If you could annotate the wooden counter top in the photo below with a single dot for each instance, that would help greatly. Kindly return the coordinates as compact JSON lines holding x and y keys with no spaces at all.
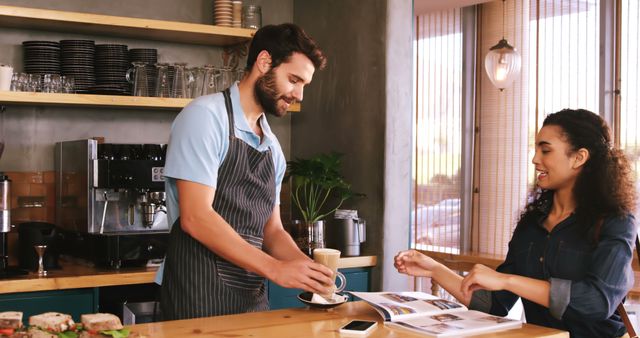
{"x":74,"y":276}
{"x":303,"y":322}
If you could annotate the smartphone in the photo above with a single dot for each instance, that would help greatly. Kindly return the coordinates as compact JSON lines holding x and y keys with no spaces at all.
{"x":359,"y":327}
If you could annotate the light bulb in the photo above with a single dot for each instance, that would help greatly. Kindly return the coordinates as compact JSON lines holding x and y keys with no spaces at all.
{"x":501,"y":72}
{"x":502,"y":64}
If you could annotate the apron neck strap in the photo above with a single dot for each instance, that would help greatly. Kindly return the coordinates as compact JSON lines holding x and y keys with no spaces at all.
{"x":227,"y":103}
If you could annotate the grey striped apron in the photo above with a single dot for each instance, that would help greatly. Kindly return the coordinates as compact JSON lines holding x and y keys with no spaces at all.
{"x":196,"y":281}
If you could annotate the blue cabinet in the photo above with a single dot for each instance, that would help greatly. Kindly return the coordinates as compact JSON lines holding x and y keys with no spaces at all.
{"x":281,"y":298}
{"x":74,"y":302}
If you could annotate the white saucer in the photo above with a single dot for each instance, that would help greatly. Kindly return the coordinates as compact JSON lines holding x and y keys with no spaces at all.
{"x":307,"y":298}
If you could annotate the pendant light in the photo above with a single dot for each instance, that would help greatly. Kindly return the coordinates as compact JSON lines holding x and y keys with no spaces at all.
{"x":502,"y":63}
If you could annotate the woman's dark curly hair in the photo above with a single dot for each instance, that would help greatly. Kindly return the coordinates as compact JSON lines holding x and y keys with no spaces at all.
{"x":606,"y":186}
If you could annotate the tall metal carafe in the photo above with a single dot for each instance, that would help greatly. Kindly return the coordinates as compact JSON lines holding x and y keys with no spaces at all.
{"x":5,"y":219}
{"x":347,"y":232}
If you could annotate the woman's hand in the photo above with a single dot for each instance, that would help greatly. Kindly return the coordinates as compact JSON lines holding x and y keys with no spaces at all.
{"x":414,"y":263}
{"x":482,"y":277}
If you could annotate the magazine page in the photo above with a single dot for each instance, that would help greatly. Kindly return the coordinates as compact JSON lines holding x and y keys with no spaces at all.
{"x":395,"y":306}
{"x":455,"y":324}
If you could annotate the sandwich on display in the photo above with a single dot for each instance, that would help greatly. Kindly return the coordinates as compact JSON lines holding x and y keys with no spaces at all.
{"x":52,"y":325}
{"x":10,"y":322}
{"x":60,"y":325}
{"x":100,"y":325}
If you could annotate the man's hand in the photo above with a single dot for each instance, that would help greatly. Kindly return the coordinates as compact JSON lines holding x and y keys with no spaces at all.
{"x":414,"y":263}
{"x":302,"y":274}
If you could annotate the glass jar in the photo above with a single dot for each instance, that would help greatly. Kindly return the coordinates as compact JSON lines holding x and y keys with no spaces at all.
{"x":251,"y":17}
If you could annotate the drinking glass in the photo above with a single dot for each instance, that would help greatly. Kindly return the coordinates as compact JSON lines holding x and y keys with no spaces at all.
{"x":139,"y":79}
{"x":56,"y":83}
{"x":251,"y":17}
{"x":68,"y":84}
{"x":210,"y":81}
{"x":179,"y":87}
{"x":15,"y":83}
{"x":31,"y":82}
{"x":23,"y":82}
{"x":50,"y":83}
{"x":194,"y":82}
{"x":163,"y":85}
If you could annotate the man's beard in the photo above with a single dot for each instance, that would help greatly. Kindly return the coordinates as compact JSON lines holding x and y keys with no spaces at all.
{"x":266,"y":93}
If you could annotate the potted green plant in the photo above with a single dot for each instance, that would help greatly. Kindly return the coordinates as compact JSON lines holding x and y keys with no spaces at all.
{"x":318,"y":189}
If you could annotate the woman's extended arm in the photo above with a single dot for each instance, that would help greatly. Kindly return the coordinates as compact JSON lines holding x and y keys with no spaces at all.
{"x":414,"y":263}
{"x":483,"y":277}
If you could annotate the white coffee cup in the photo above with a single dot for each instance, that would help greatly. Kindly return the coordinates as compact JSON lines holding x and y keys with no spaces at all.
{"x":5,"y":76}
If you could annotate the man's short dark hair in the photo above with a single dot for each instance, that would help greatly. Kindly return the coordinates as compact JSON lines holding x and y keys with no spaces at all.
{"x":281,"y":41}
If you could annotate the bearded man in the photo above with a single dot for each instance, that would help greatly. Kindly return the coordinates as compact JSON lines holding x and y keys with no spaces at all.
{"x":223,"y":172}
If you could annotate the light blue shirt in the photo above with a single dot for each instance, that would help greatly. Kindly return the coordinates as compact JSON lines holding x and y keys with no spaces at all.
{"x":199,"y":142}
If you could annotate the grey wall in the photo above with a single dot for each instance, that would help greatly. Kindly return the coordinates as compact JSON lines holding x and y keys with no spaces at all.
{"x":361,"y":105}
{"x":346,"y":106}
{"x":31,"y":131}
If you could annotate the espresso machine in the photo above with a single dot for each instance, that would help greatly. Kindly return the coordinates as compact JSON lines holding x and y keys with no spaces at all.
{"x":111,"y":201}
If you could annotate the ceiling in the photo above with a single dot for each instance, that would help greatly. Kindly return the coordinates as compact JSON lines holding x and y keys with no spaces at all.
{"x":426,"y":6}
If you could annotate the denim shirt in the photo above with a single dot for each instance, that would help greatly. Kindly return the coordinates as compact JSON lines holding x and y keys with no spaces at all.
{"x":588,"y":280}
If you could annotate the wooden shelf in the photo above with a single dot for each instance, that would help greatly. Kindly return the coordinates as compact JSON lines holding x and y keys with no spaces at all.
{"x":147,"y":29}
{"x":91,"y":100}
{"x":86,"y":23}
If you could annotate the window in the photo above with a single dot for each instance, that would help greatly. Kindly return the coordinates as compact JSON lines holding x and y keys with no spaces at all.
{"x":630,"y":83}
{"x":559,"y":45}
{"x":438,"y":148}
{"x":559,"y":41}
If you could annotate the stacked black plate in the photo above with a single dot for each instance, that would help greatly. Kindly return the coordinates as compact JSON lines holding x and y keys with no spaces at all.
{"x":41,"y":57}
{"x":150,"y":57}
{"x":111,"y":65}
{"x":78,"y":62}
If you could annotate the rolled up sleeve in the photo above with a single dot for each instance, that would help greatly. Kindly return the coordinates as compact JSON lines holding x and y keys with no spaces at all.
{"x":481,"y":301}
{"x":559,"y":296}
{"x":608,"y":280}
{"x":500,"y":302}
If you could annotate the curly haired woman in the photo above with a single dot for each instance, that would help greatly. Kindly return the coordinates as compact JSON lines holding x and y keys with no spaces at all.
{"x":570,"y":254}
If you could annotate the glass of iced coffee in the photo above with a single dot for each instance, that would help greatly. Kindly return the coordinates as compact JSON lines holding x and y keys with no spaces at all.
{"x":330,"y":258}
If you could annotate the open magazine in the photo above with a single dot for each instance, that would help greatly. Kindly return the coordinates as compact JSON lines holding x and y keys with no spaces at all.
{"x":423,"y":313}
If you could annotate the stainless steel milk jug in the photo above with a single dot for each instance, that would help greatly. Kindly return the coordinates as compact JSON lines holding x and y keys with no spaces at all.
{"x":346,"y":234}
